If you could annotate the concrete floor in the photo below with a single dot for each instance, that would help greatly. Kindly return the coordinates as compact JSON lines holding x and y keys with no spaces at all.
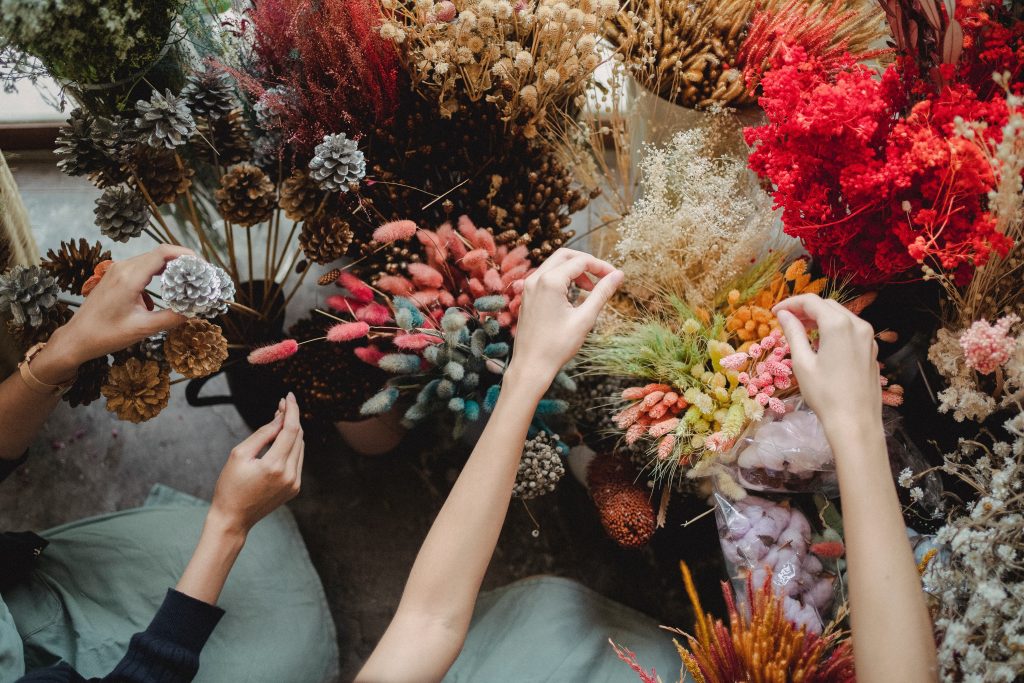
{"x":363,"y":519}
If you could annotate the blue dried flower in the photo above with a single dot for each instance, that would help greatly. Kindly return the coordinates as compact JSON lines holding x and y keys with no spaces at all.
{"x":381,"y":402}
{"x":492,"y":327}
{"x":496,"y":350}
{"x":491,"y":398}
{"x":445,"y":389}
{"x":428,"y":391}
{"x":453,"y":320}
{"x":455,"y":371}
{"x":400,"y":363}
{"x":478,"y":342}
{"x":491,"y":303}
{"x":456,"y":404}
{"x":472,"y":410}
{"x":551,"y":406}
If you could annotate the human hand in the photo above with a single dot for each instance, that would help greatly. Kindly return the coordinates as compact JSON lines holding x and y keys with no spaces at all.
{"x":250,"y":487}
{"x":840,"y":379}
{"x":550,"y":329}
{"x":114,"y":315}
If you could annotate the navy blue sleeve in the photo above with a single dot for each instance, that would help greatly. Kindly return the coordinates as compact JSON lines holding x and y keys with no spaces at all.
{"x":166,"y":652}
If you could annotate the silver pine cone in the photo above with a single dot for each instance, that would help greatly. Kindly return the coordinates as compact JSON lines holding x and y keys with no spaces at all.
{"x":121,"y":213}
{"x":194,"y":288}
{"x":27,"y":293}
{"x":337,"y":163}
{"x":540,"y":468}
{"x":91,"y":146}
{"x":209,"y":93}
{"x":164,"y":120}
{"x":153,"y":347}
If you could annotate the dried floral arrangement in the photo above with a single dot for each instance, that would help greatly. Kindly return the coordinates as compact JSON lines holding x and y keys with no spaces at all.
{"x":758,"y":644}
{"x":695,"y":54}
{"x":137,"y":385}
{"x":904,"y":184}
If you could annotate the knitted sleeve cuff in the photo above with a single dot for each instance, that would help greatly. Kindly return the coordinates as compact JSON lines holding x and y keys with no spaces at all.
{"x":185,"y":621}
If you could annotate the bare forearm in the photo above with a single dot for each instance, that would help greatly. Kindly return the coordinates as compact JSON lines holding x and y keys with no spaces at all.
{"x":214,"y":556}
{"x":892,"y":633}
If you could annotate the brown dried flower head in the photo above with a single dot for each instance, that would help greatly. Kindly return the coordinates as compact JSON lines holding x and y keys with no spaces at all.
{"x":246,"y":195}
{"x":137,"y":390}
{"x":196,"y":349}
{"x":299,"y":196}
{"x":160,"y":173}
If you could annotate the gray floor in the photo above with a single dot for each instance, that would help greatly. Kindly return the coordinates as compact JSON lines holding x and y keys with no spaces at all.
{"x":363,"y":519}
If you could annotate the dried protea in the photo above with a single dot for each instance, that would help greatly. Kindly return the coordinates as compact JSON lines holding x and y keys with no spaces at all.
{"x":73,"y":263}
{"x":160,"y":173}
{"x":164,"y":120}
{"x":196,"y":349}
{"x":324,"y":239}
{"x":137,"y":390}
{"x":246,"y":195}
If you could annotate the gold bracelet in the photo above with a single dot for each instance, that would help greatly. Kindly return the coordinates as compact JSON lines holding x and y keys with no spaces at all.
{"x":33,"y":382}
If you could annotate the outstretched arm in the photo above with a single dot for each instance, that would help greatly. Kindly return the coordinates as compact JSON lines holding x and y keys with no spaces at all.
{"x":430,"y":626}
{"x":111,"y":318}
{"x":892,"y":633}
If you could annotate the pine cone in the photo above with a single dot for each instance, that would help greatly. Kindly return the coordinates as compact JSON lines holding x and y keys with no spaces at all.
{"x":209,"y":93}
{"x":267,"y":152}
{"x":196,"y":349}
{"x":325,"y":238}
{"x":121,"y":213}
{"x":137,"y":390}
{"x":152,"y":347}
{"x":25,"y":336}
{"x":194,"y":288}
{"x":540,"y":468}
{"x":299,"y":196}
{"x":73,"y":263}
{"x":229,"y":136}
{"x":5,"y":252}
{"x":337,"y":163}
{"x":161,"y":172}
{"x":164,"y":120}
{"x":91,"y":147}
{"x":92,"y":375}
{"x":27,"y":293}
{"x":246,"y":195}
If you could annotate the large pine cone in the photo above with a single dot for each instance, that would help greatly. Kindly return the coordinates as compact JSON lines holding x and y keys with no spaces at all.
{"x":92,"y":375}
{"x":121,"y":213}
{"x":92,"y":147}
{"x":161,"y":173}
{"x":196,"y":349}
{"x":246,"y":195}
{"x":299,"y":196}
{"x":229,"y":136}
{"x":73,"y":263}
{"x":137,"y":390}
{"x":325,"y":238}
{"x":210,"y":93}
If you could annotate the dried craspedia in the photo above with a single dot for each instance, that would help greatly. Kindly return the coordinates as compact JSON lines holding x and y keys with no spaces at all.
{"x":137,"y":390}
{"x":337,"y":163}
{"x":90,"y":147}
{"x":324,"y":239}
{"x":73,"y":263}
{"x":193,"y":288}
{"x":300,"y":196}
{"x":159,"y":172}
{"x":27,"y":293}
{"x":226,"y":138}
{"x":209,"y":93}
{"x":246,"y":195}
{"x":164,"y":120}
{"x":121,"y":213}
{"x":540,"y":468}
{"x":625,"y":509}
{"x":196,"y":349}
{"x":92,"y":375}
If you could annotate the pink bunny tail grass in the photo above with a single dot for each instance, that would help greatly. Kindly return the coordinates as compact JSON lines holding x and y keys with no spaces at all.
{"x":831,"y":550}
{"x":395,"y":284}
{"x":667,"y":445}
{"x":416,"y":342}
{"x":370,"y":355}
{"x":374,"y":314}
{"x":394,"y":231}
{"x":344,"y":332}
{"x":343,"y":304}
{"x":514,"y":258}
{"x":492,"y":280}
{"x":356,"y":287}
{"x":274,"y":352}
{"x":425,"y":276}
{"x":476,"y":259}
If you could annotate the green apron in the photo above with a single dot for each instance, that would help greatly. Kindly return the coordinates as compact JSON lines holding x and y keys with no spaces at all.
{"x":102,"y":579}
{"x":551,"y":629}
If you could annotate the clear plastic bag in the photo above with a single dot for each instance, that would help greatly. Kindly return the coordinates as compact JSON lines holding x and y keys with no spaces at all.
{"x":764,"y":539}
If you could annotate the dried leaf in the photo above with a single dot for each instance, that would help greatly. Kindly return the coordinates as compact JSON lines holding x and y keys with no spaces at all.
{"x":952,"y":43}
{"x":931,"y":13}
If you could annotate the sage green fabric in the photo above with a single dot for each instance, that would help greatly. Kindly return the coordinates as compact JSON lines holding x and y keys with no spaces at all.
{"x":102,"y":579}
{"x":552,"y":629}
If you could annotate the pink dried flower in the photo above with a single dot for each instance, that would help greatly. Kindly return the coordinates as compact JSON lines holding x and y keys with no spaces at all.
{"x":445,"y":11}
{"x":987,"y":346}
{"x":356,"y":287}
{"x":273,"y":352}
{"x":370,"y":355}
{"x":476,"y":259}
{"x":425,"y":276}
{"x":374,"y":314}
{"x":343,"y":303}
{"x":344,"y":332}
{"x":831,"y":550}
{"x":395,"y":284}
{"x":394,"y":231}
{"x":417,"y":341}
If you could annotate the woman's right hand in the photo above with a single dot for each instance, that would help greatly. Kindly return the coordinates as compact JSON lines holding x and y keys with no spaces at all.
{"x":840,"y":379}
{"x":250,"y":487}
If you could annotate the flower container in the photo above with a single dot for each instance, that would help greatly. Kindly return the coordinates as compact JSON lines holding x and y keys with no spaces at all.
{"x":373,"y":436}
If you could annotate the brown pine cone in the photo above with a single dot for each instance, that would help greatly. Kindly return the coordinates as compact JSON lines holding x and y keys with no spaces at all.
{"x":229,"y":136}
{"x":299,"y":196}
{"x":196,"y":349}
{"x":325,"y":238}
{"x":92,"y":375}
{"x":246,"y":195}
{"x":25,"y":336}
{"x":73,"y":263}
{"x":137,"y":390}
{"x":161,"y":172}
